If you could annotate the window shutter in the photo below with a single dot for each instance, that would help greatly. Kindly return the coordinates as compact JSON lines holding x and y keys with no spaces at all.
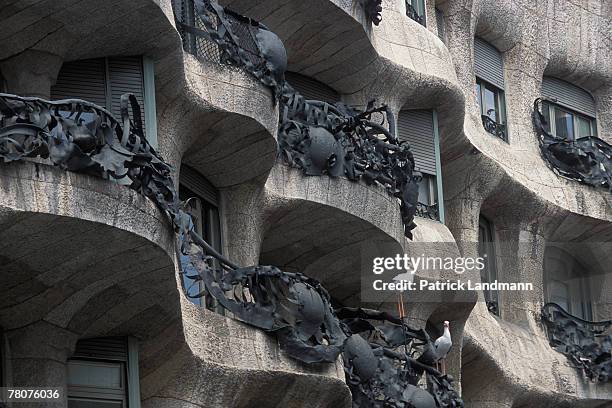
{"x":416,"y":127}
{"x":311,"y":88}
{"x":85,"y":79}
{"x":568,"y":95}
{"x":93,"y":79}
{"x":488,"y":63}
{"x":195,"y":182}
{"x":103,"y":348}
{"x":125,"y":76}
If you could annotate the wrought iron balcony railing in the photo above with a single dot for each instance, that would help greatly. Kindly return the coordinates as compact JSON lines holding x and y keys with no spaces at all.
{"x":494,"y":128}
{"x":413,"y":14}
{"x":81,"y":137}
{"x":587,"y":344}
{"x":428,"y":211}
{"x":373,"y":10}
{"x":586,"y":159}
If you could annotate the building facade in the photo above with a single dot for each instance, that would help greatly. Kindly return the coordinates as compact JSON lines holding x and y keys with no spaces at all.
{"x":506,"y":107}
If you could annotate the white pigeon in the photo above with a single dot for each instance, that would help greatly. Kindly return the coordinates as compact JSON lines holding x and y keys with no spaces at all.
{"x":442,"y":346}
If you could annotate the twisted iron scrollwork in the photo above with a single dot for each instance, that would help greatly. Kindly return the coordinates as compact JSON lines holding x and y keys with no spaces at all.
{"x":587,"y":159}
{"x":428,"y":211}
{"x":494,"y":128}
{"x":385,"y":360}
{"x":318,"y":137}
{"x":214,"y":33}
{"x":587,"y":344}
{"x":338,"y":140}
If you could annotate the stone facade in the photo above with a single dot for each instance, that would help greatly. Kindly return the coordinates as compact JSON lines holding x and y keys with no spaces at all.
{"x":84,"y":257}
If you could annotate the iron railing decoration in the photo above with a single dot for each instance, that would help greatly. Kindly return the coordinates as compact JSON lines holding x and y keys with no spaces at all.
{"x":413,"y":14}
{"x":428,"y":211}
{"x":316,"y":136}
{"x":338,"y":140}
{"x":494,"y":128}
{"x":587,"y":159}
{"x":211,"y":32}
{"x":587,"y":344}
{"x":81,"y":137}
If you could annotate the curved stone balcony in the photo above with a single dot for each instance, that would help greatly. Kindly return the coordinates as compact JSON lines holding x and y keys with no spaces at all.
{"x":398,"y":62}
{"x":215,"y":361}
{"x":81,"y":257}
{"x":320,"y":225}
{"x":518,"y":358}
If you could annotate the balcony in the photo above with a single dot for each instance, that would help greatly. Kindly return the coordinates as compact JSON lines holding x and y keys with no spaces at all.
{"x":587,"y":160}
{"x":586,"y":344}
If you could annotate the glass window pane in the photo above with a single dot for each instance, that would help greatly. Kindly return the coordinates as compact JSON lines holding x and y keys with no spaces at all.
{"x":558,"y":293}
{"x":546,"y":114}
{"x":479,"y":96}
{"x":489,"y":103}
{"x":94,"y":374}
{"x":584,"y":127}
{"x":564,"y":124}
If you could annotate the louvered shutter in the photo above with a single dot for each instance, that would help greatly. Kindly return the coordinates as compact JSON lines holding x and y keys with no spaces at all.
{"x":195,"y":182}
{"x":416,"y":127}
{"x":311,"y":88}
{"x":103,"y":348}
{"x":488,"y":63}
{"x":102,"y":81}
{"x":125,"y":76}
{"x":569,"y":95}
{"x":85,"y":79}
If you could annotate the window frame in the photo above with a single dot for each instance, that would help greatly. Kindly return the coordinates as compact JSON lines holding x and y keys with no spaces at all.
{"x":93,"y":393}
{"x":549,"y":112}
{"x":209,"y":214}
{"x":488,"y":239}
{"x":419,"y":4}
{"x":501,"y":117}
{"x":575,"y":279}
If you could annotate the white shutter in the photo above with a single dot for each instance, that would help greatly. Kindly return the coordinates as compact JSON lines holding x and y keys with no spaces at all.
{"x":568,"y":95}
{"x":416,"y":127}
{"x":488,"y":63}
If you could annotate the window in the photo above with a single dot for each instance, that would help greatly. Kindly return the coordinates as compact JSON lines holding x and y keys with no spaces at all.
{"x":419,"y":129}
{"x":203,"y":203}
{"x":311,"y":88}
{"x":103,"y":80}
{"x":489,"y":70}
{"x":440,"y":24}
{"x":103,"y":373}
{"x":415,"y":9}
{"x":566,"y":283}
{"x":567,"y":124}
{"x":492,"y":108}
{"x":486,"y":250}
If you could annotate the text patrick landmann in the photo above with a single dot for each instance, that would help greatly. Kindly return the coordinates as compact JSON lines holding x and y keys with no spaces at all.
{"x":408,"y":266}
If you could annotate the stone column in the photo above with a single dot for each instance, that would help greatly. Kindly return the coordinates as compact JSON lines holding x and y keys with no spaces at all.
{"x":38,"y":355}
{"x":31,"y":73}
{"x":242,"y":212}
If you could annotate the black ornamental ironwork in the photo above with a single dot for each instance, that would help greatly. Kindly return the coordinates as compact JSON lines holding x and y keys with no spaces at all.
{"x":587,"y":344}
{"x":586,"y":159}
{"x":318,"y":137}
{"x":373,"y":10}
{"x":82,"y":137}
{"x":494,"y":128}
